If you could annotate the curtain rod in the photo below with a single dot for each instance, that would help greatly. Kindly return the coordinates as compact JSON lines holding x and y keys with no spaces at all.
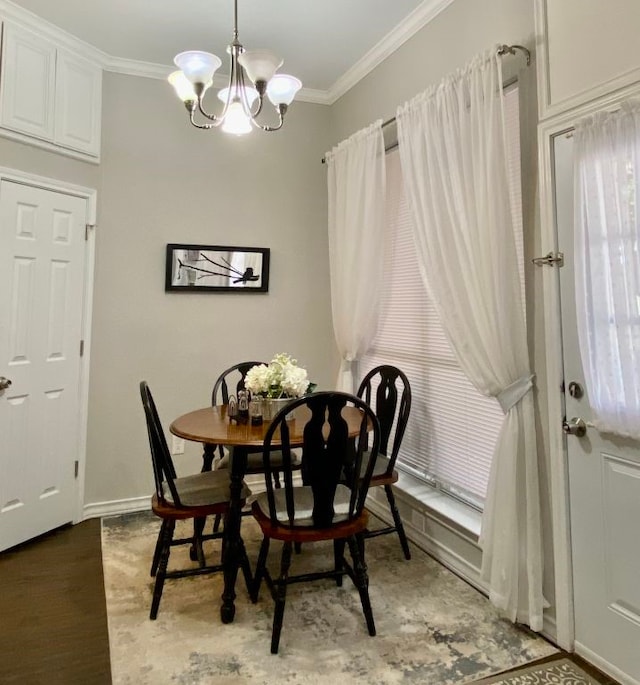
{"x":502,"y":50}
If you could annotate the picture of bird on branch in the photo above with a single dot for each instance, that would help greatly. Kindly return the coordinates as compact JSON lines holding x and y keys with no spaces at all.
{"x":233,"y":273}
{"x":196,"y":267}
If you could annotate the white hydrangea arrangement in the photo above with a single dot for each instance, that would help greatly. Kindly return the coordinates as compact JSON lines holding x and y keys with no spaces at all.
{"x":282,"y":377}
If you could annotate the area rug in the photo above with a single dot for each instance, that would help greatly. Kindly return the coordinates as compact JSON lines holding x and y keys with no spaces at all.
{"x":556,"y":672}
{"x":432,"y":628}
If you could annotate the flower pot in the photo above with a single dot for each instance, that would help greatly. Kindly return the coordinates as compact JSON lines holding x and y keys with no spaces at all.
{"x":272,"y":405}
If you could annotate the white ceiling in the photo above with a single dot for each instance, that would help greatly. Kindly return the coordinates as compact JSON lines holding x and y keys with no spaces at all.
{"x":320,"y":40}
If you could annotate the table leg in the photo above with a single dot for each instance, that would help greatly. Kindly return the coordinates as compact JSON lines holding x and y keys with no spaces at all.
{"x":208,"y":454}
{"x":233,"y":551}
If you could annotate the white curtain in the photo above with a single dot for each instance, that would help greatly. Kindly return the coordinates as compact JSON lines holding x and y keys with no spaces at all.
{"x":607,"y":265}
{"x":356,"y":183}
{"x":452,"y":148}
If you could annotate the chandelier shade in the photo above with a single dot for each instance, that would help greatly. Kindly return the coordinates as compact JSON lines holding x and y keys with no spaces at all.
{"x":182,"y":86}
{"x":251,"y":95}
{"x":252,"y":75}
{"x":235,"y":120}
{"x":197,"y":66}
{"x":259,"y":65}
{"x":282,"y":88}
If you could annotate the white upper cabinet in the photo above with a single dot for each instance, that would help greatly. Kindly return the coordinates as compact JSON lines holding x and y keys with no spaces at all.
{"x":78,"y":103}
{"x":28,"y":83}
{"x":49,"y":94}
{"x":586,"y":51}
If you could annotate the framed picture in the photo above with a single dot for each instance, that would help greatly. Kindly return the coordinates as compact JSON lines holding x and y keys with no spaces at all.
{"x":201,"y":268}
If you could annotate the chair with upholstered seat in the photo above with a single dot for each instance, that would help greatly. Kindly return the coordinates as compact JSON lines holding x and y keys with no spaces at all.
{"x":194,"y":497}
{"x":336,"y":470}
{"x":387,"y":391}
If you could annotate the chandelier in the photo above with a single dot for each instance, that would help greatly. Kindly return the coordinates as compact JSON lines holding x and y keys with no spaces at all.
{"x":242,"y":100}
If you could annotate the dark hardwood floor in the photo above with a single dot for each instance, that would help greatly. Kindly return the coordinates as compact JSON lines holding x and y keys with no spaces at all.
{"x":53,"y":618}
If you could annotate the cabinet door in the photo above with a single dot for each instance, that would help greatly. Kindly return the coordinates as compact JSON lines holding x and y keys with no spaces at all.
{"x":28,"y":83}
{"x":78,"y":103}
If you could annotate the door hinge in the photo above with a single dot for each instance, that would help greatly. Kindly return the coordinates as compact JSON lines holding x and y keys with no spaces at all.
{"x":87,"y":228}
{"x":550,"y":259}
{"x":76,"y":468}
{"x":82,"y":348}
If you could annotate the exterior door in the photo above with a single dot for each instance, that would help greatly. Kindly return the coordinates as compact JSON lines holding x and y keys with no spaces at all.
{"x":42,"y":262}
{"x":604,"y":490}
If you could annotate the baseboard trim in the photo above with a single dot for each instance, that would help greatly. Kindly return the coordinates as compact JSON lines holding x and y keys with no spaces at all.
{"x":604,"y":666}
{"x":115,"y":507}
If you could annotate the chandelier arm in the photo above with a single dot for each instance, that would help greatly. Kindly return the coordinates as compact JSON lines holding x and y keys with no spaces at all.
{"x":200,"y":90}
{"x":264,"y":127}
{"x":211,"y":117}
{"x":253,"y":115}
{"x":206,"y":127}
{"x":241,"y":89}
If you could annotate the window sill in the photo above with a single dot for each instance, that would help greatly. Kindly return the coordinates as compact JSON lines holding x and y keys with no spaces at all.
{"x":431,"y":501}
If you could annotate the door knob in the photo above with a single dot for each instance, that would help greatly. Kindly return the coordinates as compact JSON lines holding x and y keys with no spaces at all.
{"x":4,"y":383}
{"x":574,"y":426}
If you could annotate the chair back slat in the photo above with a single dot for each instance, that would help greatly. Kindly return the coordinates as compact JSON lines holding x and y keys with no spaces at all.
{"x":230,"y":379}
{"x":392,"y":405}
{"x":163,"y":469}
{"x":385,"y":408}
{"x":330,"y":457}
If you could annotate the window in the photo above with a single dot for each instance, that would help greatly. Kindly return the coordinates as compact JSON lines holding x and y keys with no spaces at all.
{"x":607,"y":265}
{"x":452,"y":428}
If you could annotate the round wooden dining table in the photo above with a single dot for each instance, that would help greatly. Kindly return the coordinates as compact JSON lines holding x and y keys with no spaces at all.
{"x":212,"y":427}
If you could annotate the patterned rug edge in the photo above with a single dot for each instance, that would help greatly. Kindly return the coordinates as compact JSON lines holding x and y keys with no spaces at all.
{"x":554,"y":672}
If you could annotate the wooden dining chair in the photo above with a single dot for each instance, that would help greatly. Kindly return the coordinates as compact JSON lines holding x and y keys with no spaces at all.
{"x":387,"y":391}
{"x":233,"y":378}
{"x":336,"y":470}
{"x":190,"y":497}
{"x":228,"y":383}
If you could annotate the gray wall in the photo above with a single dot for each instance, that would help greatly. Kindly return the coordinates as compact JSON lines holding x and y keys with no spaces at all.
{"x":448,"y":42}
{"x":164,"y":181}
{"x":33,"y":160}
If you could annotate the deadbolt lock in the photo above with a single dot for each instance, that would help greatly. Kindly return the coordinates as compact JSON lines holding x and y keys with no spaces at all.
{"x":575,"y":390}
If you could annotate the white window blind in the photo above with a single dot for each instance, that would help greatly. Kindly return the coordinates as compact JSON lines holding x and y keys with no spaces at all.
{"x":452,"y":428}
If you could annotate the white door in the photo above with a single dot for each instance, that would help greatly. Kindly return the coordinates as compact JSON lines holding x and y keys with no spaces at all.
{"x":604,"y":488}
{"x":42,"y":256}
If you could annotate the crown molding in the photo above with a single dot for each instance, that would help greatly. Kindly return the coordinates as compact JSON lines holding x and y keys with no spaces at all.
{"x":132,"y":67}
{"x":419,"y":18}
{"x":63,"y":39}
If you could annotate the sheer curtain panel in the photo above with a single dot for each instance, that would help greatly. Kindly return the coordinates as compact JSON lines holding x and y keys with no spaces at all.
{"x":452,"y":149}
{"x":356,"y":185}
{"x":607,"y":265}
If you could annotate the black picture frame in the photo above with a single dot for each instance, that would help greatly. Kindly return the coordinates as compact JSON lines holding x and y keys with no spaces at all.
{"x":216,"y":268}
